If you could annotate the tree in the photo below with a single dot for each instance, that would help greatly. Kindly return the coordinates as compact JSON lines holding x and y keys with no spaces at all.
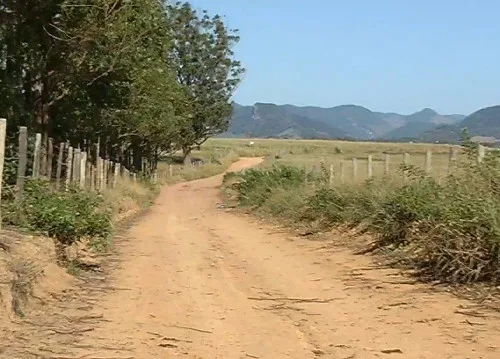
{"x":116,"y":52}
{"x":142,"y":77}
{"x":203,"y":58}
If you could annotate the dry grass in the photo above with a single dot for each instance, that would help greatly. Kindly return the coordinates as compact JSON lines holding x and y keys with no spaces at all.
{"x":127,"y":197}
{"x":24,"y":272}
{"x":311,"y":154}
{"x":445,"y":227}
{"x":24,"y":259}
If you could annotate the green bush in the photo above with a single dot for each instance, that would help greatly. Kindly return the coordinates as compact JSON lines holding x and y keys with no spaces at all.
{"x":325,"y":205}
{"x":285,"y":204}
{"x":66,"y":216}
{"x":256,"y":185}
{"x":449,"y":230}
{"x":416,"y":201}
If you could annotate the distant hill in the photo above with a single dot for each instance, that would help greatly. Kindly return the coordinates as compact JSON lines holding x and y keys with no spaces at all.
{"x":485,"y":122}
{"x":356,"y":121}
{"x":346,"y":121}
{"x":269,"y":120}
{"x":418,"y":123}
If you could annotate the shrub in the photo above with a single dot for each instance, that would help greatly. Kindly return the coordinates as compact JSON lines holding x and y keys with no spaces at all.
{"x":66,"y":216}
{"x":449,"y":230}
{"x":256,"y":185}
{"x":285,"y":204}
{"x":325,"y":205}
{"x":416,"y":201}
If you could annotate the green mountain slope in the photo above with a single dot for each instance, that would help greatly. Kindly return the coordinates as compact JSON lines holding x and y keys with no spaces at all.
{"x":346,"y":121}
{"x":420,"y":122}
{"x":269,"y":120}
{"x":357,"y":121}
{"x":485,"y":122}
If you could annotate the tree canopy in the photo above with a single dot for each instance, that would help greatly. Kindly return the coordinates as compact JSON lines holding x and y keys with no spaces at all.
{"x":143,"y":77}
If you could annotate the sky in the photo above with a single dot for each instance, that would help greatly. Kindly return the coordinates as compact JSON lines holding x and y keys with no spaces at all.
{"x":387,"y":55}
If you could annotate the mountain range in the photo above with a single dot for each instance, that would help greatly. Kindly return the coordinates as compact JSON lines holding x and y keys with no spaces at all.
{"x":483,"y":125}
{"x":341,"y":122}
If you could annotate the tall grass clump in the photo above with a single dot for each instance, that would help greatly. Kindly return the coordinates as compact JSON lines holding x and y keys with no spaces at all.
{"x":257,"y":185}
{"x":448,"y":229}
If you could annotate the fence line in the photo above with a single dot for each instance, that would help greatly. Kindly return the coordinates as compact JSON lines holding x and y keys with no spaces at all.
{"x":3,"y":133}
{"x":428,"y":165}
{"x":74,"y":166}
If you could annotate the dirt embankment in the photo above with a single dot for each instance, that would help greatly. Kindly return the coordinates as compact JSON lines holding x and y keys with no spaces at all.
{"x":193,"y":280}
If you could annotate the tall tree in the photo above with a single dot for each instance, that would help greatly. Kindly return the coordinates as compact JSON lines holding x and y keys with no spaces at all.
{"x":144,"y":77}
{"x":203,"y":58}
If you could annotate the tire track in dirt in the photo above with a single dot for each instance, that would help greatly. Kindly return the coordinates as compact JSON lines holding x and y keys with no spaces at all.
{"x":192,"y":280}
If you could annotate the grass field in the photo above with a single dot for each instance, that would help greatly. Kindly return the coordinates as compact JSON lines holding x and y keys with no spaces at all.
{"x":310,"y":154}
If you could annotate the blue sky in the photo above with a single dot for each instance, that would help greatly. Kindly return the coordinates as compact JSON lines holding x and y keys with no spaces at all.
{"x":387,"y":55}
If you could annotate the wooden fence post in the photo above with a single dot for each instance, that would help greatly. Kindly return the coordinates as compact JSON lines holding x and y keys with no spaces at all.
{"x":170,"y":170}
{"x":50,"y":155}
{"x":95,"y":179}
{"x":3,"y":130}
{"x":91,"y":175}
{"x":452,"y":160}
{"x":105,"y":166}
{"x":88,"y":172}
{"x":21,"y":167}
{"x":83,"y":168}
{"x":428,"y":161}
{"x":43,"y":158}
{"x":69,"y":167}
{"x":342,"y":171}
{"x":481,"y":152}
{"x":387,"y":164}
{"x":406,"y":162}
{"x":330,"y":179}
{"x":370,"y":166}
{"x":101,"y":172}
{"x":354,"y":170}
{"x":116,"y":174}
{"x":76,"y":165}
{"x":37,"y":154}
{"x":98,"y":166}
{"x":406,"y":159}
{"x":60,"y":158}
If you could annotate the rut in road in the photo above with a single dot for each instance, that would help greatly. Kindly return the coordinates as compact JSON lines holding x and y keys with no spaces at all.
{"x":192,"y":280}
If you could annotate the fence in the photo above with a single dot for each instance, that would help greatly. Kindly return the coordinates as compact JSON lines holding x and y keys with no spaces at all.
{"x":67,"y":166}
{"x":361,"y":168}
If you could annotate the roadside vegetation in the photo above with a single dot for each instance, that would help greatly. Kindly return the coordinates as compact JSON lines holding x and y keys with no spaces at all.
{"x":445,"y":228}
{"x":133,"y":82}
{"x":144,"y":82}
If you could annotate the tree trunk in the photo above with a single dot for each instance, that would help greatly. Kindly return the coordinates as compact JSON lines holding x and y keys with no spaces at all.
{"x":137,"y":157}
{"x":186,"y":155}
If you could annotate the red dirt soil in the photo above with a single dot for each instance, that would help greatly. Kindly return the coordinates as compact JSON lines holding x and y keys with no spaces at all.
{"x":193,"y":280}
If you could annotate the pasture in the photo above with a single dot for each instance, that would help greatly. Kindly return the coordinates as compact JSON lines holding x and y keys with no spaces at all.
{"x":314,"y":154}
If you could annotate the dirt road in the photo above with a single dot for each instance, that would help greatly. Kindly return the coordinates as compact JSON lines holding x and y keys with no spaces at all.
{"x":194,"y":280}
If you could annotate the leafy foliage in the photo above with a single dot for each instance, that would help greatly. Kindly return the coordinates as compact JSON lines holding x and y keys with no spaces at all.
{"x":202,"y":58}
{"x":257,"y":185}
{"x":65,"y":216}
{"x":143,"y":79}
